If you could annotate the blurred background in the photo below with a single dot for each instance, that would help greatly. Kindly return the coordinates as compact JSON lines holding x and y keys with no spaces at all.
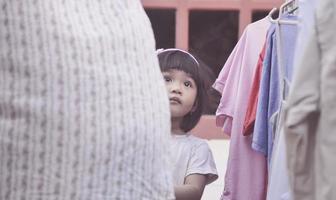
{"x":209,"y":29}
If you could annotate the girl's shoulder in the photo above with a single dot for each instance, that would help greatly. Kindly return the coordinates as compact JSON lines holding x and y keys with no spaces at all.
{"x":197,"y":142}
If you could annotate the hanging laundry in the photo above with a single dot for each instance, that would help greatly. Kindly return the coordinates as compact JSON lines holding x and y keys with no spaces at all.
{"x":246,"y":169}
{"x":310,"y":120}
{"x":269,"y":94}
{"x":253,"y":99}
{"x":285,"y":35}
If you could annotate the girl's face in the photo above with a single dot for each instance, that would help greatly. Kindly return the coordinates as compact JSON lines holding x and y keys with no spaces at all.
{"x":182,"y":91}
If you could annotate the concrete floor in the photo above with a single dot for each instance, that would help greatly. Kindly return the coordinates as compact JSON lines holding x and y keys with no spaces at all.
{"x":220,"y":150}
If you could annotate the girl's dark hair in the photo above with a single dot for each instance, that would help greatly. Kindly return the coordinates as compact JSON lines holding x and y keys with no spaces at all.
{"x":180,"y":60}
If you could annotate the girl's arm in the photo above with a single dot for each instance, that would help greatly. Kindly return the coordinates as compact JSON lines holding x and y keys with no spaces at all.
{"x":192,"y":189}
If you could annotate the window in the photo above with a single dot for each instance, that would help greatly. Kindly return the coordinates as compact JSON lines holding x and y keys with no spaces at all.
{"x":259,"y":14}
{"x":212,"y":37}
{"x":163,"y":24}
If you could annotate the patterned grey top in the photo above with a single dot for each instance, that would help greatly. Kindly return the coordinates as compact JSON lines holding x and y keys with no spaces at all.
{"x":83,"y":108}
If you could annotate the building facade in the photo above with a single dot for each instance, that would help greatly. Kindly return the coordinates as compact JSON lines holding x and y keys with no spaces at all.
{"x":209,"y":29}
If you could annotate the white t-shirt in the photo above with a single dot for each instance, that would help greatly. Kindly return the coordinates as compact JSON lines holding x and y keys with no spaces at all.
{"x":191,"y":155}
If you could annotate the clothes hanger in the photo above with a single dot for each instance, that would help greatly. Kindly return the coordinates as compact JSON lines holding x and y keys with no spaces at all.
{"x":271,"y":13}
{"x":288,"y":7}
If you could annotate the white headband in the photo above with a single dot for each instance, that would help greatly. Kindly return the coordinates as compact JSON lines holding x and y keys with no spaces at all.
{"x":158,"y":51}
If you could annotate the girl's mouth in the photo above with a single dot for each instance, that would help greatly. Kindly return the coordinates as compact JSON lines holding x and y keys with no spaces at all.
{"x":175,"y":100}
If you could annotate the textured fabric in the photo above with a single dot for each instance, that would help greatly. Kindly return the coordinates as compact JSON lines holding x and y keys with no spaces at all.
{"x":192,"y":155}
{"x":253,"y":98}
{"x":83,"y":108}
{"x":246,"y":169}
{"x":270,"y":86}
{"x":310,"y":120}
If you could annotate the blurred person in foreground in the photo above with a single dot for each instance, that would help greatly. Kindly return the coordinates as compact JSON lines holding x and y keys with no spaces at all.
{"x":83,"y":109}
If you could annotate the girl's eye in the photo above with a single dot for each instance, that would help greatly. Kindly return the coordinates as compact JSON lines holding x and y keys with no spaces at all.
{"x":188,"y":84}
{"x":167,"y":79}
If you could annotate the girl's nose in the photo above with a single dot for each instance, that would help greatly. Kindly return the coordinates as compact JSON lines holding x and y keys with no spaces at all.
{"x":177,"y":91}
{"x":176,"y":88}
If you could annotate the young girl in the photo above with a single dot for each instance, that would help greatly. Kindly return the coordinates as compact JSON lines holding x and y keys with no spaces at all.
{"x":194,"y":166}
